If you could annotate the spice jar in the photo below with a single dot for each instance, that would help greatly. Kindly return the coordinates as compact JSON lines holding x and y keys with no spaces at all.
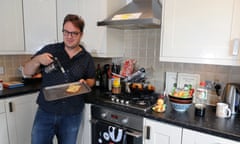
{"x":116,"y":86}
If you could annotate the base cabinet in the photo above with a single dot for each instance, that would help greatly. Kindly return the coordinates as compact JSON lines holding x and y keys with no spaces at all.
{"x":3,"y":124}
{"x":157,"y":132}
{"x":84,"y":136}
{"x":194,"y":137}
{"x":20,"y":112}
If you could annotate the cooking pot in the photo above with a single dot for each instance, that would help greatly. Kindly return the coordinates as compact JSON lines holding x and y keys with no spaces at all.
{"x":231,"y":95}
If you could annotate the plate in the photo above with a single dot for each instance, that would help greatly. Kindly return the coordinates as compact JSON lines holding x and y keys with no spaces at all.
{"x":59,"y":91}
{"x":154,"y":108}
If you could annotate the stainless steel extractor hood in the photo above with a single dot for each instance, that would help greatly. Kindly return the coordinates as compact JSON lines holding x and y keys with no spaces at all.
{"x":137,"y":14}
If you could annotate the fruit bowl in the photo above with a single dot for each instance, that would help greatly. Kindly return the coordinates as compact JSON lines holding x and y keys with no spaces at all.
{"x":180,"y":104}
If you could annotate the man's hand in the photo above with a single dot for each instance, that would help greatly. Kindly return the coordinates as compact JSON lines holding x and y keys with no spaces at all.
{"x":44,"y":59}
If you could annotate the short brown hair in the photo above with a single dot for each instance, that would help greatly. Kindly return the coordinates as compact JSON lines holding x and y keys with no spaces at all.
{"x":76,"y":21}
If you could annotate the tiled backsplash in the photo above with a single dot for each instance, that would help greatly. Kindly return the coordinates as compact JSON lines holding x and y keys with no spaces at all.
{"x":10,"y":63}
{"x":142,"y":45}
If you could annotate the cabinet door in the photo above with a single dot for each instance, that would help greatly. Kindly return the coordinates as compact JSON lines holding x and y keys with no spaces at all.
{"x":11,"y":27}
{"x":101,"y":41}
{"x":161,"y":133}
{"x":40,"y":23}
{"x":84,"y":136}
{"x":194,"y":137}
{"x":3,"y":125}
{"x":20,"y":112}
{"x":200,"y":31}
{"x":65,"y":7}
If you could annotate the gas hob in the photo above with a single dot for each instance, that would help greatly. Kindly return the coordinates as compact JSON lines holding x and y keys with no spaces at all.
{"x":142,"y":102}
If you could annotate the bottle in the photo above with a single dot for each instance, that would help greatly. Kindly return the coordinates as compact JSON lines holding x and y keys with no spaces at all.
{"x":106,"y":67}
{"x":201,"y":99}
{"x":98,"y":77}
{"x":109,"y":72}
{"x":1,"y":84}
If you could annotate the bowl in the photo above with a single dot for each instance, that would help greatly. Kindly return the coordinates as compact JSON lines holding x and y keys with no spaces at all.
{"x":181,"y":100}
{"x":180,"y":104}
{"x":180,"y":107}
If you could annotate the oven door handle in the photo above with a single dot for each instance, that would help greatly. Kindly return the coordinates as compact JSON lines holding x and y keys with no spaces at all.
{"x":134,"y":134}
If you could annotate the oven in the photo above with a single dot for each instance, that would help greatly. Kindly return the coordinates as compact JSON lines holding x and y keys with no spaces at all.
{"x":110,"y":126}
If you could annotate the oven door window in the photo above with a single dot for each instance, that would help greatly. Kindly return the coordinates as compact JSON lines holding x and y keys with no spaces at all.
{"x":108,"y":133}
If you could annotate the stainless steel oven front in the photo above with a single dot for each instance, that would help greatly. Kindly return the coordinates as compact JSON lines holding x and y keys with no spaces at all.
{"x":110,"y":126}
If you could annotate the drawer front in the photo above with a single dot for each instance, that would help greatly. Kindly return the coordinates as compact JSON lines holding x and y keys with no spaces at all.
{"x":2,"y":109}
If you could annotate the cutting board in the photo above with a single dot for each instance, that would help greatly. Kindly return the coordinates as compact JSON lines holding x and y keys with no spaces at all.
{"x":12,"y":84}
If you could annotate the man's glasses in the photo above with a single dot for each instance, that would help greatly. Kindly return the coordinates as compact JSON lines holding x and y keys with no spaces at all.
{"x":72,"y":34}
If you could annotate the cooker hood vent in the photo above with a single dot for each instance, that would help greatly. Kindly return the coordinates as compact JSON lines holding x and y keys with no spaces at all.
{"x":138,"y":14}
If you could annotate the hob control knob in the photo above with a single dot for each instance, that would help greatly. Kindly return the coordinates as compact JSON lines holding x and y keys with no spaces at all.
{"x":122,"y":101}
{"x":124,"y":121}
{"x":103,"y":115}
{"x":117,"y":100}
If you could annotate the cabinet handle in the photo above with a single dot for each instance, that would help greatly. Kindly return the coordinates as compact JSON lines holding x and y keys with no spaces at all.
{"x":148,"y":132}
{"x":10,"y":107}
{"x":236,"y":43}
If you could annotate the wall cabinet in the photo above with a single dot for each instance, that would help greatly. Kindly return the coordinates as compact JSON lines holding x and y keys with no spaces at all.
{"x":40,"y":23}
{"x":11,"y":27}
{"x":37,"y":23}
{"x":20,"y":112}
{"x":194,"y":137}
{"x":161,"y":132}
{"x":101,"y":41}
{"x":3,"y":124}
{"x":196,"y":31}
{"x":65,"y":7}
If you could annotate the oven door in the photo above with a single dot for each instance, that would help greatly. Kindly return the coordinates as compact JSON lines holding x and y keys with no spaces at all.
{"x":104,"y":132}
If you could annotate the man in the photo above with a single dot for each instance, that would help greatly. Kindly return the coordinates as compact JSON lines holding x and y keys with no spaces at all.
{"x":61,"y":117}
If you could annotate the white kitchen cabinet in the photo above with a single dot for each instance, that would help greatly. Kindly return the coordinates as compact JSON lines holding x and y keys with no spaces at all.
{"x":65,"y":7}
{"x":200,"y":31}
{"x":101,"y":41}
{"x":40,"y":23}
{"x":161,"y":133}
{"x":85,"y":136}
{"x":3,"y":124}
{"x":11,"y":27}
{"x":20,"y":112}
{"x":194,"y":137}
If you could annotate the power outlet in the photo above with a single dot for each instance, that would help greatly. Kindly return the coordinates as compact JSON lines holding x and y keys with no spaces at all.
{"x":1,"y":70}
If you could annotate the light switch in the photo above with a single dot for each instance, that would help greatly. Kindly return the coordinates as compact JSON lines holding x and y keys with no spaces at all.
{"x":1,"y":70}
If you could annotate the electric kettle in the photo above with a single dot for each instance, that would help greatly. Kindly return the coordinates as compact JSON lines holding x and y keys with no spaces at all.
{"x":231,"y":95}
